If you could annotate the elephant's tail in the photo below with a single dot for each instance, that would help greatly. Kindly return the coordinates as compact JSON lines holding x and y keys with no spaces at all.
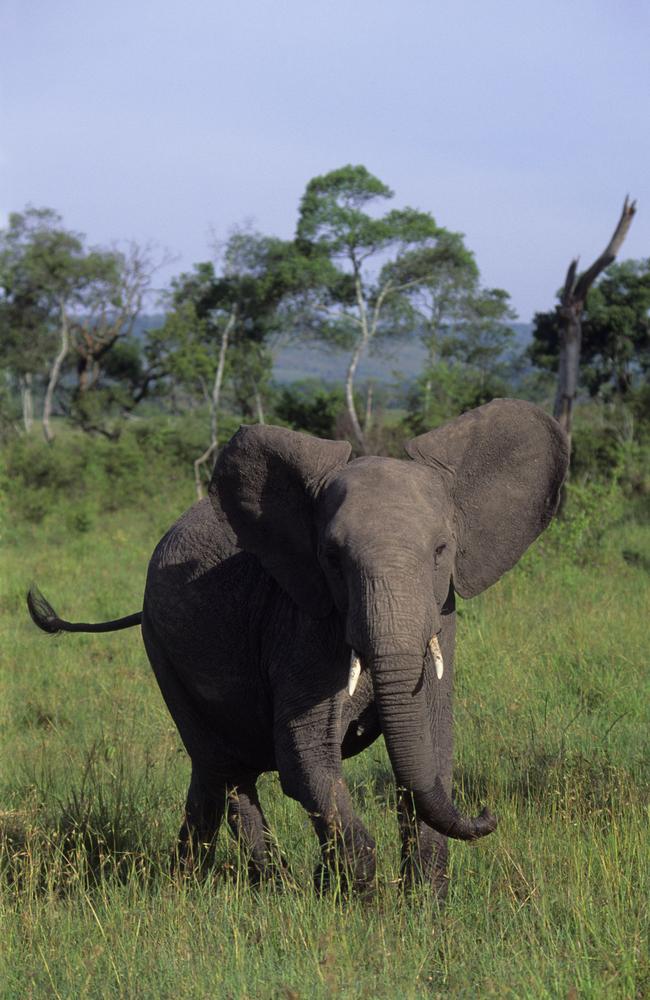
{"x":44,"y":615}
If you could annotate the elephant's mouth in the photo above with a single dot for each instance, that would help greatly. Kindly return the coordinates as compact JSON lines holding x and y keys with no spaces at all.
{"x":356,"y":664}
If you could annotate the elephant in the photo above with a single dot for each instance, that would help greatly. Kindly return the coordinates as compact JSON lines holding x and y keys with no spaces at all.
{"x":307,"y":605}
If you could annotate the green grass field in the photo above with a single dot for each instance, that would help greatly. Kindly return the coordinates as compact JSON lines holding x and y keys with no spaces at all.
{"x":552,"y":723}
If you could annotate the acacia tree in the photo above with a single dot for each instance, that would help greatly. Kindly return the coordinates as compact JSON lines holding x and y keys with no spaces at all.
{"x":459,"y":323}
{"x":226,"y":321}
{"x":569,"y":317}
{"x":112,"y":305}
{"x":53,"y":287}
{"x":337,"y":232}
{"x":192,"y":345}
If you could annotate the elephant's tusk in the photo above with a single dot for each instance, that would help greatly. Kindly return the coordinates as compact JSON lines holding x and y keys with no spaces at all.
{"x":436,"y":653}
{"x":355,"y":673}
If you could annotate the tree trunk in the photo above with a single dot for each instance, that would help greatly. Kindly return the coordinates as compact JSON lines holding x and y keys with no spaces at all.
{"x":349,"y":396}
{"x":27,"y":401}
{"x":54,"y":375}
{"x":570,"y":310}
{"x":367,"y":422}
{"x":569,"y":366}
{"x":215,"y":401}
{"x":259,"y":407}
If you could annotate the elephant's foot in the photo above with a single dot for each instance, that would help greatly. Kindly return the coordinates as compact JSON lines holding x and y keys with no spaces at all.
{"x":266,"y":865}
{"x":424,"y":862}
{"x":204,"y":809}
{"x":272,"y":873}
{"x":424,"y":851}
{"x":349,"y":862}
{"x":193,"y":855}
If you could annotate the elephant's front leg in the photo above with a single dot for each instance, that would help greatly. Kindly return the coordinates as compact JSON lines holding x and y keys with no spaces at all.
{"x":424,"y":851}
{"x":308,"y":755}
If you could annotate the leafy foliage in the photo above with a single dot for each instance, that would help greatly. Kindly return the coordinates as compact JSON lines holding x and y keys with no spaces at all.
{"x":366,"y":296}
{"x":310,"y":407}
{"x":471,"y":358}
{"x":43,"y":269}
{"x":615,"y":332}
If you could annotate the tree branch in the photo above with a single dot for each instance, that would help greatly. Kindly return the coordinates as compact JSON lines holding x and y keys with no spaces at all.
{"x":586,"y":280}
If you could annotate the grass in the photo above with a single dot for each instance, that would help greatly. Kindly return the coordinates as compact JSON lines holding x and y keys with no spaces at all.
{"x":552,"y":720}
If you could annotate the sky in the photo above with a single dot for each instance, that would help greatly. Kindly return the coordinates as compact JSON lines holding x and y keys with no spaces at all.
{"x":522,"y":125}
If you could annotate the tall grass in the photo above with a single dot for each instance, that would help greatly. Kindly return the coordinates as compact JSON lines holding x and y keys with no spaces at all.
{"x":552,"y":723}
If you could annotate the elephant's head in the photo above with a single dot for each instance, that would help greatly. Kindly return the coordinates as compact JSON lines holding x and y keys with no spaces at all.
{"x":382,"y":541}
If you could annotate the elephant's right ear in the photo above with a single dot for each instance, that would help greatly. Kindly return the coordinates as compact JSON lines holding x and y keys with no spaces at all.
{"x":266,"y":480}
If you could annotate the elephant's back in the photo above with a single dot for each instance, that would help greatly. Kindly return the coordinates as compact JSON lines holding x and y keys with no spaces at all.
{"x":197,"y":578}
{"x":199,"y":539}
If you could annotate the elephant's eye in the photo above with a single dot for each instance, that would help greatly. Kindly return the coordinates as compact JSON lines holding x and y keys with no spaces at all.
{"x":439,"y":549}
{"x":330,"y":557}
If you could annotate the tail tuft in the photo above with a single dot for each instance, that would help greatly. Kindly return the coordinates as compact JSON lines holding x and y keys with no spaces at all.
{"x":42,"y":612}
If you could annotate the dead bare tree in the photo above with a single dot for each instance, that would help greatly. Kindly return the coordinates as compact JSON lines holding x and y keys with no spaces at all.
{"x":570,"y":310}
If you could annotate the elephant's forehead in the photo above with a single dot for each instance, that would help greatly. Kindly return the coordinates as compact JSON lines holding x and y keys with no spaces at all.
{"x":374,"y":485}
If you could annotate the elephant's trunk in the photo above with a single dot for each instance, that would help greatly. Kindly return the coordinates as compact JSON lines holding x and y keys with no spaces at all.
{"x":399,"y":693}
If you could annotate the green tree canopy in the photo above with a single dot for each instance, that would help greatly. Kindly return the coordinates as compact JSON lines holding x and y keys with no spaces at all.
{"x":370,"y":264}
{"x":227,"y":319}
{"x":615,"y":332}
{"x":48,"y":276}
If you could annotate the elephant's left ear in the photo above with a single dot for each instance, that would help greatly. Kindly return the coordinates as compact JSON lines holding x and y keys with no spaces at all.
{"x":266,"y":481}
{"x":505,"y":463}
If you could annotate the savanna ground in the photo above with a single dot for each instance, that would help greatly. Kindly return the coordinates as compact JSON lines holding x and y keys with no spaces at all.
{"x":552,"y":722}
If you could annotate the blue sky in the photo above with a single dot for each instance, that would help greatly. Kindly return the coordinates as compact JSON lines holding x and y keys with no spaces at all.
{"x":520,"y":124}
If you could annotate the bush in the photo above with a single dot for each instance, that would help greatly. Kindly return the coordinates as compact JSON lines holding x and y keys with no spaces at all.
{"x":577,"y":534}
{"x":310,"y":407}
{"x":79,"y":476}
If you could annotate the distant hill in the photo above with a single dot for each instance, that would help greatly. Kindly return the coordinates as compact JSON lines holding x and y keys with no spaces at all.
{"x":404,"y":362}
{"x":303,"y":361}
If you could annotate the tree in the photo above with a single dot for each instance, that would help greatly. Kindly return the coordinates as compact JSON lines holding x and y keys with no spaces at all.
{"x":348,"y":245}
{"x":55,"y":289}
{"x":310,"y":406}
{"x":36,"y":275}
{"x":226,"y":321}
{"x":464,"y":328}
{"x":112,"y":305}
{"x":569,"y":318}
{"x":616,"y":329}
{"x":470,"y":359}
{"x":482,"y":336}
{"x":615,"y":347}
{"x":22,"y":332}
{"x":191,"y":346}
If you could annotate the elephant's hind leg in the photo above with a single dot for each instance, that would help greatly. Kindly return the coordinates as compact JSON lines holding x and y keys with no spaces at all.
{"x":204,"y":810}
{"x":249,"y":827}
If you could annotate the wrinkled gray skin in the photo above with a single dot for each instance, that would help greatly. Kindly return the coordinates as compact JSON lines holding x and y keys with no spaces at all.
{"x":256,"y":597}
